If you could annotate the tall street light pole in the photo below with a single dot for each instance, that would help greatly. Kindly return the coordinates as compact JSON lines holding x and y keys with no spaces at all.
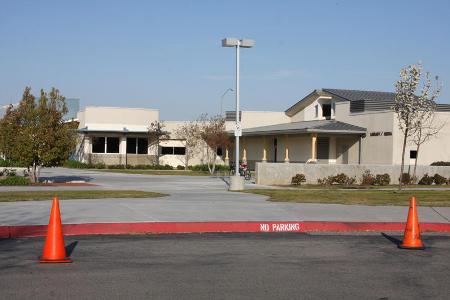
{"x":236,"y":182}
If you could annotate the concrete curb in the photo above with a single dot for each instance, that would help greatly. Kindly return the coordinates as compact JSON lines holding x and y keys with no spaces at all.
{"x":215,"y":227}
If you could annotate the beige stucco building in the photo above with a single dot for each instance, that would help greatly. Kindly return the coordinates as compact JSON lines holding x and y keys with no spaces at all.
{"x":334,"y":126}
{"x":119,"y":136}
{"x":328,"y":126}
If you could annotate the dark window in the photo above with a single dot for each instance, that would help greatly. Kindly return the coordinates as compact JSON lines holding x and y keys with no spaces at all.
{"x":413,"y":154}
{"x":98,"y":144}
{"x":131,"y":145}
{"x":142,"y":146}
{"x":166,"y":150}
{"x":112,"y":145}
{"x":219,"y":152}
{"x":316,"y":112}
{"x":387,"y":133}
{"x":179,"y":150}
{"x":326,"y":111}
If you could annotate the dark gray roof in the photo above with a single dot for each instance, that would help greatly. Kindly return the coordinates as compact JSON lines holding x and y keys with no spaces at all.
{"x":355,"y":95}
{"x":360,"y":100}
{"x":322,"y":126}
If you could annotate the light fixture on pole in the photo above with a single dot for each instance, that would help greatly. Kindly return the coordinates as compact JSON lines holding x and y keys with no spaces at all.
{"x":221,"y":100}
{"x":236,"y":182}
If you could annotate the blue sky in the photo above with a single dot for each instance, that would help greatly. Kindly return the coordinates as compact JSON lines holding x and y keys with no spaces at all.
{"x":167,"y":54}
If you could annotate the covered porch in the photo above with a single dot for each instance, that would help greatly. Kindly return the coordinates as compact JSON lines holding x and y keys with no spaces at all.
{"x":321,"y":142}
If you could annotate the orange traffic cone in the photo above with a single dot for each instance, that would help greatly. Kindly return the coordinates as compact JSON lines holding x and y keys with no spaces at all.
{"x":411,"y":239}
{"x":54,"y":251}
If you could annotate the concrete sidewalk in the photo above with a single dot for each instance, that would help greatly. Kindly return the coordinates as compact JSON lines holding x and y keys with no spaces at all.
{"x":192,"y":199}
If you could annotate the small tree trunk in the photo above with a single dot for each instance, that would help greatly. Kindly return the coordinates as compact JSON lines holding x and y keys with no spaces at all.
{"x":415,"y":163}
{"x":157,"y":151}
{"x":34,"y":177}
{"x":402,"y":167}
{"x":186,"y":159}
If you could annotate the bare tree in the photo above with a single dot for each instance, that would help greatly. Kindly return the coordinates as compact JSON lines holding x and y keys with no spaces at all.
{"x":413,"y":111}
{"x":155,"y":134}
{"x":426,"y":130}
{"x":190,"y":133}
{"x":212,"y":132}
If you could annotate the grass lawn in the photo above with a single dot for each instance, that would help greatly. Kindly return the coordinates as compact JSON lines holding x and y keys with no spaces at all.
{"x":158,"y":172}
{"x":364,"y":197}
{"x":83,"y":194}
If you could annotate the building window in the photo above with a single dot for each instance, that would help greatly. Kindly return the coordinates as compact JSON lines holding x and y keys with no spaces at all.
{"x":131,"y":145}
{"x":316,"y":108}
{"x":333,"y":106}
{"x":219,"y":151}
{"x":142,"y":146}
{"x":173,"y":150}
{"x":98,"y":144}
{"x":137,"y":145}
{"x":413,"y":154}
{"x":166,"y":150}
{"x":179,"y":150}
{"x":112,"y":145}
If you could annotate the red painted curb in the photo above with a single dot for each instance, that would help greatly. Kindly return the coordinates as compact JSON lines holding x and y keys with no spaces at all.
{"x":212,"y":227}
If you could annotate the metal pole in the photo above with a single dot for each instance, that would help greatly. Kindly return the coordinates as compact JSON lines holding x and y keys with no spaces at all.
{"x":237,"y":111}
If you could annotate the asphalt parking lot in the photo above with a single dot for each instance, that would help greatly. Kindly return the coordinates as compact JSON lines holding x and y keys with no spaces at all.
{"x":228,"y":266}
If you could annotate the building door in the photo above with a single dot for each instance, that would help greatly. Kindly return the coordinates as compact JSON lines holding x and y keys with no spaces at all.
{"x":344,"y":153}
{"x":323,"y":147}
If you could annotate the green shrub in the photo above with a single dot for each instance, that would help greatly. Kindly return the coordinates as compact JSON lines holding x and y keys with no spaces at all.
{"x":441,"y":163}
{"x":116,"y":166}
{"x":298,"y":179}
{"x":382,"y":179}
{"x":426,"y":180}
{"x":438,"y":179}
{"x":180,"y":167}
{"x":340,"y":179}
{"x":9,"y":163}
{"x":203,"y":167}
{"x":75,"y":164}
{"x":367,"y":178}
{"x":406,"y":178}
{"x":15,"y":180}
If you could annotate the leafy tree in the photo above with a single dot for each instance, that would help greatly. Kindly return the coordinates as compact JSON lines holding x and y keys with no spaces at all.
{"x":190,"y":133}
{"x":34,"y":133}
{"x":212,"y":132}
{"x":413,"y":110}
{"x":155,"y":134}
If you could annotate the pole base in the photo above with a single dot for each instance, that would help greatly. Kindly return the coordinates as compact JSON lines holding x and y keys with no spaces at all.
{"x":57,"y":261}
{"x":411,"y":248}
{"x":236,"y":183}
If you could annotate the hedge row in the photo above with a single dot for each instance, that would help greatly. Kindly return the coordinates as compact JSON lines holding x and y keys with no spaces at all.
{"x":80,"y":165}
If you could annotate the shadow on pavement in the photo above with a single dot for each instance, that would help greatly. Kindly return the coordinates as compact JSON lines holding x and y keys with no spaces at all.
{"x":392,"y":239}
{"x":70,"y":248}
{"x":63,"y":179}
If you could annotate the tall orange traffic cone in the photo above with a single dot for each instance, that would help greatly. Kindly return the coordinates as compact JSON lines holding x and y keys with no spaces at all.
{"x":54,"y":251}
{"x":411,"y":239}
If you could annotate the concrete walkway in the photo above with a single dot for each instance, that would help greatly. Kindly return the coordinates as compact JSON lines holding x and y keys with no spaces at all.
{"x":191,"y":199}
